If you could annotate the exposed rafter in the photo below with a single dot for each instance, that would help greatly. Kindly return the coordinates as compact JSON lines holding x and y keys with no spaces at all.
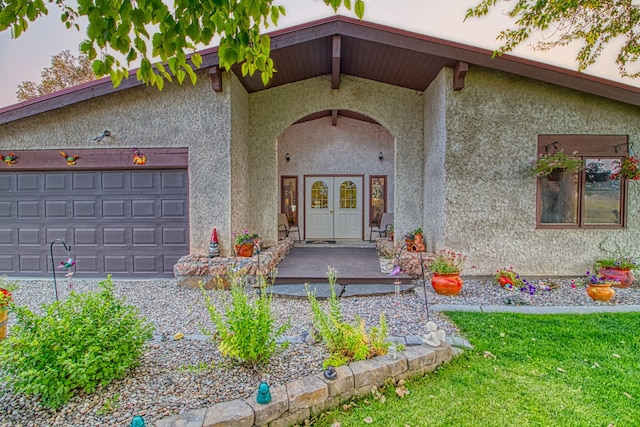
{"x":335,"y":62}
{"x":334,"y":117}
{"x":459,"y":72}
{"x":215,"y":74}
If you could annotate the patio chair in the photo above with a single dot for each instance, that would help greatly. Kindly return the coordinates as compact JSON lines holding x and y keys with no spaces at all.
{"x":284,"y":227}
{"x":384,"y":227}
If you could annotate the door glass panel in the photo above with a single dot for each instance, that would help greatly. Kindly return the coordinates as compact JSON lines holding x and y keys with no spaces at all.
{"x":559,"y":200}
{"x":602,"y":195}
{"x":348,"y":195}
{"x":319,"y":195}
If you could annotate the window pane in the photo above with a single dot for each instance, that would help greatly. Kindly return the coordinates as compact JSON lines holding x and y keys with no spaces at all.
{"x":290,"y":199}
{"x":602,"y":195}
{"x":559,"y":200}
{"x":348,"y":195}
{"x":377,"y":199}
{"x":319,"y":195}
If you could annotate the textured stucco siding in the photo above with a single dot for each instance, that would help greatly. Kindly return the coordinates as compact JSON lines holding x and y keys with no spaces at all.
{"x":398,"y":110}
{"x":490,"y":209}
{"x":178,"y":116}
{"x":435,"y":137}
{"x":352,"y":147}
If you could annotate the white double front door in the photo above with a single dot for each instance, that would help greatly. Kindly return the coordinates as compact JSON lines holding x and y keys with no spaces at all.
{"x":333,"y":207}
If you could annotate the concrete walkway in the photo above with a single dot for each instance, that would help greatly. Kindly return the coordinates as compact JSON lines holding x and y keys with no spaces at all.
{"x":575,"y":309}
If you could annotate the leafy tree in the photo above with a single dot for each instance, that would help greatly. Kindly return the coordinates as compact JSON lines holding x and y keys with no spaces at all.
{"x":595,"y":23}
{"x":152,"y":30}
{"x":66,"y":71}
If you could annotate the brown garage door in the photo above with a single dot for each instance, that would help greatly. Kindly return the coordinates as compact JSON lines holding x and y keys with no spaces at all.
{"x":130,"y":223}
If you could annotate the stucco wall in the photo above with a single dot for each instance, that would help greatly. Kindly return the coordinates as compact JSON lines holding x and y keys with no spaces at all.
{"x":351,"y":147}
{"x":398,"y":110}
{"x":492,"y":128}
{"x":179,"y":116}
{"x":435,"y":138}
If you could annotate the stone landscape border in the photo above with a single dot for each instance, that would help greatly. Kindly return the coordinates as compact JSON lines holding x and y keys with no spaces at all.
{"x":298,"y":400}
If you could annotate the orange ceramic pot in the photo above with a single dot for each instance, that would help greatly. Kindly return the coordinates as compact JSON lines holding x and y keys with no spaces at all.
{"x":622,"y":277}
{"x":244,"y":250}
{"x":601,"y":292}
{"x":446,"y":284}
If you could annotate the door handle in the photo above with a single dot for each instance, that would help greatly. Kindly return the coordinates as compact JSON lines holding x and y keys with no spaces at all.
{"x":331,"y":211}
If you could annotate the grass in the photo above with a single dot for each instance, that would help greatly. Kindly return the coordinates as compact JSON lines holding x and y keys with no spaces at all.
{"x":525,"y":370}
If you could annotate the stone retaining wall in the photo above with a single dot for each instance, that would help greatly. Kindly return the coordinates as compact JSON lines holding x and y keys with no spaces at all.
{"x":298,"y":400}
{"x":409,"y":261}
{"x":190,"y":270}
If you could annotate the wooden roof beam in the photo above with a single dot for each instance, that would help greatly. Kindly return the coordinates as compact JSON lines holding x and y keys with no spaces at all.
{"x":334,"y":117}
{"x":215,"y":74}
{"x":459,"y":72}
{"x":335,"y":62}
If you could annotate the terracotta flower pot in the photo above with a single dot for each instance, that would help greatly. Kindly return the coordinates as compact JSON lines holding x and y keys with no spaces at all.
{"x":622,"y":277}
{"x":244,"y":250}
{"x":446,"y":284}
{"x":601,"y":292}
{"x":504,"y":280}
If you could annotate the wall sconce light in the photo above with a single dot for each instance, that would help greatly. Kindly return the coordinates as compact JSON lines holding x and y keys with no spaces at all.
{"x":287,"y":157}
{"x":104,"y":135}
{"x":380,"y":156}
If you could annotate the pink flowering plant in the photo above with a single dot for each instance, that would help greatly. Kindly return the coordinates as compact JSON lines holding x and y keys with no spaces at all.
{"x":547,"y":163}
{"x":446,"y":262}
{"x":509,"y":278}
{"x":627,"y":168}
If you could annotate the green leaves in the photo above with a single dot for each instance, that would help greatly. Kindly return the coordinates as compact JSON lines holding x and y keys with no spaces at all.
{"x":122,"y":27}
{"x":87,"y":340}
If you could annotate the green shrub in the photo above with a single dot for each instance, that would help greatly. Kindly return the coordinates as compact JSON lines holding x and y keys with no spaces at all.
{"x":346,"y":342}
{"x":247,"y":330}
{"x":86,"y":340}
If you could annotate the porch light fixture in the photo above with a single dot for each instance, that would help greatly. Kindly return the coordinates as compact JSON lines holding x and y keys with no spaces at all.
{"x":287,"y":157}
{"x":380,"y":156}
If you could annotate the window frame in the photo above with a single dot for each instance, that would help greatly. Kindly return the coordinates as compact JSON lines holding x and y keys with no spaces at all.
{"x":587,"y":147}
{"x":384,"y":208}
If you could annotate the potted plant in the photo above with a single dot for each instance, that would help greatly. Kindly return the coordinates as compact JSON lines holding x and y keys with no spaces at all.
{"x":555,"y":165}
{"x":409,"y":239}
{"x":595,"y":172}
{"x":446,"y":267}
{"x":5,"y":299}
{"x":627,"y":168}
{"x":617,"y":268}
{"x":599,"y":287}
{"x":245,"y":243}
{"x":390,"y":232}
{"x":418,"y":241}
{"x":387,"y":257}
{"x":509,"y":279}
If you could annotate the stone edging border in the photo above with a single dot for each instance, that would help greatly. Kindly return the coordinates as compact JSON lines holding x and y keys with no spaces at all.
{"x":298,"y":400}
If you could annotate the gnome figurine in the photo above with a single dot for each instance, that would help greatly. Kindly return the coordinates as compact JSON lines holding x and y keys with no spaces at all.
{"x":214,"y":248}
{"x":264,"y":395}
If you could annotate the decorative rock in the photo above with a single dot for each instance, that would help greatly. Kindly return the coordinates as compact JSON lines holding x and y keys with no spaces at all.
{"x":330,"y":373}
{"x":264,"y":396}
{"x":306,"y":392}
{"x":193,"y":418}
{"x":236,"y":413}
{"x":459,"y":342}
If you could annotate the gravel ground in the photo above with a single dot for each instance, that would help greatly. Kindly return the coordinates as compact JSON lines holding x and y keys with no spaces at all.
{"x":176,"y":376}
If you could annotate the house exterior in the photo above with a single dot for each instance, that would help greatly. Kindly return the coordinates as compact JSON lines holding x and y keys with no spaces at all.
{"x":360,"y":119}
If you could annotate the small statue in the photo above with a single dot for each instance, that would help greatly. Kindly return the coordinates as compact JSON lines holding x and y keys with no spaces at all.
{"x":71,"y":159}
{"x":214,"y":248}
{"x":9,"y":159}
{"x":137,"y":421}
{"x":264,"y":395}
{"x":138,"y":157}
{"x":330,"y":373}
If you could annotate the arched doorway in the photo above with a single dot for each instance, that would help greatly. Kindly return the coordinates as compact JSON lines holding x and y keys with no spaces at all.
{"x":330,"y":173}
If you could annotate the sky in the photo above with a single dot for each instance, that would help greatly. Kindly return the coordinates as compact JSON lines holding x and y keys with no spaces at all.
{"x":24,"y":58}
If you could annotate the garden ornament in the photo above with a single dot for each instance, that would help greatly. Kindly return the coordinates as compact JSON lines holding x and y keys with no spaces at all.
{"x":264,"y":395}
{"x":70,"y":262}
{"x":71,"y":160}
{"x":308,"y":337}
{"x":137,"y":421}
{"x":330,"y":373}
{"x":9,"y":159}
{"x":214,"y":248}
{"x":435,"y":336}
{"x":138,"y":157}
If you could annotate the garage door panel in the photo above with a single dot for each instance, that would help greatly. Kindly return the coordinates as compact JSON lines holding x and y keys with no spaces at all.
{"x":131,"y":223}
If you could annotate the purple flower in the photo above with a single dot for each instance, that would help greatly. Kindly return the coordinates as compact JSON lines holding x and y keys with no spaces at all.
{"x":395,"y":271}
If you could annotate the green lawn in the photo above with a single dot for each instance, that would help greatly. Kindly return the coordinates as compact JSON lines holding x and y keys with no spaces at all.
{"x":560,"y":370}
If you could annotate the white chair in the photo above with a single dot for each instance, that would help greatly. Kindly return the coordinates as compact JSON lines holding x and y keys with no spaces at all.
{"x":284,"y":227}
{"x":386,"y":222}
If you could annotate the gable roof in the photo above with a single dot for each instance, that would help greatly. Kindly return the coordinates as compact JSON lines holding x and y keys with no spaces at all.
{"x":342,"y":45}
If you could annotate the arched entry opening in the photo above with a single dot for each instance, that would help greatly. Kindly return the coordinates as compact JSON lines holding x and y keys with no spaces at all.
{"x":336,"y":175}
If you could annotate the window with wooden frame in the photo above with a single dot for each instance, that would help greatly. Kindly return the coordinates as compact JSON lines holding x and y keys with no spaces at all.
{"x":588,"y":198}
{"x":377,"y":198}
{"x":289,"y":198}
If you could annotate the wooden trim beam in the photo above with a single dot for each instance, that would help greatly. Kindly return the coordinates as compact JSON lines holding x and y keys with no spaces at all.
{"x":97,"y":159}
{"x":215,"y":74}
{"x":335,"y":62}
{"x":459,"y":73}
{"x":334,"y":117}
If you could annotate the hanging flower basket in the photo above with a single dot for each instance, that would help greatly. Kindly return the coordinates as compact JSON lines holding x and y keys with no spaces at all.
{"x":627,"y":168}
{"x":556,"y":164}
